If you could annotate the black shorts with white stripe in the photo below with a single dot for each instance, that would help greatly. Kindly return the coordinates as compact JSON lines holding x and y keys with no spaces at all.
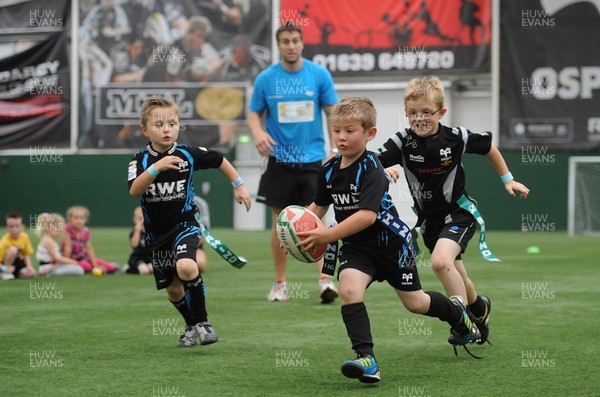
{"x":458,"y":226}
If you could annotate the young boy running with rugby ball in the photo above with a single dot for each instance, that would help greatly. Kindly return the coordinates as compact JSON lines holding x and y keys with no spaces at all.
{"x":161,"y":175}
{"x":356,"y":184}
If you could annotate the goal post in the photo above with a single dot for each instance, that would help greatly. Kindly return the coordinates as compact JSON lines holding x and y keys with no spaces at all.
{"x":584,"y":195}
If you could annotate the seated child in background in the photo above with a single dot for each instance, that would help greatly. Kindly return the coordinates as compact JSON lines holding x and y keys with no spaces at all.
{"x":16,"y":249}
{"x":76,"y":242}
{"x":140,"y":260}
{"x":52,"y":263}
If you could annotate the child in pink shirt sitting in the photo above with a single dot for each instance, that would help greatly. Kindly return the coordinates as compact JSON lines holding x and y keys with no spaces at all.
{"x":76,"y":243}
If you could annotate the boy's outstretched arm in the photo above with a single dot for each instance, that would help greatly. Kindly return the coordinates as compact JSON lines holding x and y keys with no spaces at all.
{"x":512,"y":187}
{"x":240,"y":192}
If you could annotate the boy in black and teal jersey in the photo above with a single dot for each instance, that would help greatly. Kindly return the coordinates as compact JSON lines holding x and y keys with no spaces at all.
{"x":161,"y":176}
{"x":356,"y":184}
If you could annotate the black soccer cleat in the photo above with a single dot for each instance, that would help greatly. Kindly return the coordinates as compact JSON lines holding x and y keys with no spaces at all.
{"x":465,"y":331}
{"x":483,"y":321}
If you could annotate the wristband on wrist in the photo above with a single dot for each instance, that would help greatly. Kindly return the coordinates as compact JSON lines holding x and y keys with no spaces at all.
{"x":153,"y":171}
{"x":239,"y":181}
{"x":506,"y":177}
{"x":3,"y":268}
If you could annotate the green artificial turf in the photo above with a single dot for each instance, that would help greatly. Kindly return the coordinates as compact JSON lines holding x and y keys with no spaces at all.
{"x":115,"y":335}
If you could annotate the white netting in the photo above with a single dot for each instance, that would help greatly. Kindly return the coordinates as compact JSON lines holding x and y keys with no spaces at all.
{"x":584,"y":195}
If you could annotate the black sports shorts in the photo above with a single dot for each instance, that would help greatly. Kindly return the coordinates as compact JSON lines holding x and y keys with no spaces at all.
{"x":382,"y":265}
{"x":283,"y":184}
{"x":180,"y":242}
{"x":458,"y":226}
{"x":18,"y":264}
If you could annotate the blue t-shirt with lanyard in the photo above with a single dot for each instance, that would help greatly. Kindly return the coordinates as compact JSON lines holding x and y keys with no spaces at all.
{"x":294,"y":102}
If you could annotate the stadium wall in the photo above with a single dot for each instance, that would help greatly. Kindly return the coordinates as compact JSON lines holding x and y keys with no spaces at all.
{"x":52,"y":183}
{"x":32,"y":185}
{"x":546,"y":175}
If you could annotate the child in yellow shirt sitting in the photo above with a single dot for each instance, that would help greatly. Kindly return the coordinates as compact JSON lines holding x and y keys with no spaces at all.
{"x":16,"y":249}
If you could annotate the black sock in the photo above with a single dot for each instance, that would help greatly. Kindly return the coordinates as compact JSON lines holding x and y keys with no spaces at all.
{"x":358,"y":327}
{"x":195,"y":294}
{"x":184,"y":310}
{"x":478,"y":307}
{"x":442,"y":308}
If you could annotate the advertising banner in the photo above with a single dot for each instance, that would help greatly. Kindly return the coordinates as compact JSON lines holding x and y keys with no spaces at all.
{"x":34,"y":79}
{"x":549,"y":75}
{"x":394,"y":38}
{"x":200,"y":53}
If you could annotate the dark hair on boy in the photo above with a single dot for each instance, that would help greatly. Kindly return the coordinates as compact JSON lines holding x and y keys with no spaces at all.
{"x":12,"y":215}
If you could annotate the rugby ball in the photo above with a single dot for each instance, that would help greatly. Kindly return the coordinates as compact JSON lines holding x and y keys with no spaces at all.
{"x":291,"y":220}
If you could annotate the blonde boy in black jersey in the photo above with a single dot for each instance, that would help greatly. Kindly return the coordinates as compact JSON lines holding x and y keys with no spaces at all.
{"x":160,"y":175}
{"x":355,"y":183}
{"x":431,"y":156}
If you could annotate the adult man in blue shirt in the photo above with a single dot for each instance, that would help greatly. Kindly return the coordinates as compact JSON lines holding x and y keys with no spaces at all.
{"x":293,"y":93}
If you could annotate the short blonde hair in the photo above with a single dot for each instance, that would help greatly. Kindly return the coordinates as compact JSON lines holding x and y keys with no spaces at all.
{"x":429,"y":87}
{"x":49,"y":221}
{"x":358,"y":109}
{"x":153,"y":102}
{"x":74,"y":208}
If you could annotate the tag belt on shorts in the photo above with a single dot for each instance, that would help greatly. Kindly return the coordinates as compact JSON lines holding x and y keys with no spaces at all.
{"x":467,"y":205}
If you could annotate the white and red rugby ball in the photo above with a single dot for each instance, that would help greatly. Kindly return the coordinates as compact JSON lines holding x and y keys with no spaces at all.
{"x":291,"y":220}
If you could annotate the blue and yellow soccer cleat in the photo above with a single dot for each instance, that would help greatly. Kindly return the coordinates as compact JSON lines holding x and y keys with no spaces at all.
{"x":364,"y":368}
